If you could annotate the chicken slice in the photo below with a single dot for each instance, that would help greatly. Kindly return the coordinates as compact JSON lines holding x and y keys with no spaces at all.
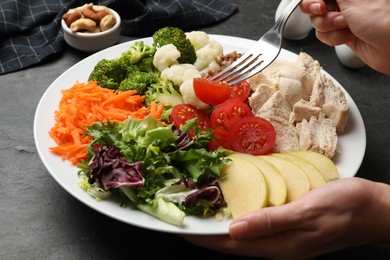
{"x":318,"y":134}
{"x":263,"y":92}
{"x":260,"y":79}
{"x":303,"y":109}
{"x":291,"y":89}
{"x":311,"y":66}
{"x":331,"y":99}
{"x":276,"y":105}
{"x":287,"y":138}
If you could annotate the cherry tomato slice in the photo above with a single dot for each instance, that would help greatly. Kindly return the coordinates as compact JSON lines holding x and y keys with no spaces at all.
{"x":183,"y":112}
{"x":221,"y":135}
{"x":253,"y":135}
{"x":223,"y":116}
{"x":226,"y":113}
{"x":241,"y":90}
{"x":212,"y":92}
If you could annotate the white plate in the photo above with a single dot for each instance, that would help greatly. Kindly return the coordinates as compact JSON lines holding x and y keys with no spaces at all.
{"x":352,"y":144}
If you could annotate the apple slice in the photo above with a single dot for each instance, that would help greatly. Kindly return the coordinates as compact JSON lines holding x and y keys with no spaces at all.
{"x":325,"y":165}
{"x":315,"y":177}
{"x":296,"y":179}
{"x":276,"y":184}
{"x":243,"y":187}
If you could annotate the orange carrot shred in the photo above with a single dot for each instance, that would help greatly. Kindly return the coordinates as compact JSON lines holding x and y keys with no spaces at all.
{"x":156,"y":110}
{"x":86,"y":103}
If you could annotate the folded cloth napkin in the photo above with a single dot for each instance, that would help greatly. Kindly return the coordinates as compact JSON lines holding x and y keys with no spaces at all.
{"x":30,"y":30}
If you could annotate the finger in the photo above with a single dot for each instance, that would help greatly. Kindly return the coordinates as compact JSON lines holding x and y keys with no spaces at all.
{"x":265,"y":222}
{"x":313,"y":7}
{"x":337,"y":37}
{"x":268,"y":247}
{"x":329,"y":22}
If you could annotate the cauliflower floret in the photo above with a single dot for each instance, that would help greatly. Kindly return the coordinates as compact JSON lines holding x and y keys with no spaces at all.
{"x":182,"y":75}
{"x":207,"y":54}
{"x":198,"y":39}
{"x":179,"y":72}
{"x":189,"y":96}
{"x":191,"y":73}
{"x":212,"y":67}
{"x":165,"y":57}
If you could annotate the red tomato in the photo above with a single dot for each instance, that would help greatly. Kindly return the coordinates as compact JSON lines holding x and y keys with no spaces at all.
{"x":241,"y":90}
{"x":223,"y":116}
{"x":211,"y":92}
{"x":226,"y":113}
{"x":221,"y":135}
{"x":253,"y":135}
{"x":183,"y":112}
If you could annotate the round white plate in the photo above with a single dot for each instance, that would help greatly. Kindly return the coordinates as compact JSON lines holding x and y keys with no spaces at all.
{"x":351,"y":149}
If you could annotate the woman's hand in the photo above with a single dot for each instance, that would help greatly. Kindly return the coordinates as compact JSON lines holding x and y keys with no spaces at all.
{"x":363,"y":25}
{"x":340,"y":214}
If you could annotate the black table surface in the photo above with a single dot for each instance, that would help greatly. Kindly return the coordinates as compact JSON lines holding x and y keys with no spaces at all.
{"x":40,"y":220}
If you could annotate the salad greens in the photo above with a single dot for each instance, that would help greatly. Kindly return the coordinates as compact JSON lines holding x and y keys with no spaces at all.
{"x":155,"y":167}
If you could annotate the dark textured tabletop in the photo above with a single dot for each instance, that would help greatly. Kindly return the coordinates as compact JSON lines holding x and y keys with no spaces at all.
{"x":40,"y":220}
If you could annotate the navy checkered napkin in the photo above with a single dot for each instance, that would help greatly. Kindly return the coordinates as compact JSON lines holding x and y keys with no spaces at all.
{"x":30,"y":30}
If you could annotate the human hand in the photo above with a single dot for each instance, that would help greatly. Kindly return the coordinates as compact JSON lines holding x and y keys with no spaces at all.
{"x":362,"y":25}
{"x":338,"y":215}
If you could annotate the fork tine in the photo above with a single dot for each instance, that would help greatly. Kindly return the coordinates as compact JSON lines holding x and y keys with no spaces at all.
{"x":240,"y":69}
{"x":239,"y":65}
{"x":267,"y":58}
{"x":227,"y":71}
{"x":255,"y":61}
{"x":253,"y":72}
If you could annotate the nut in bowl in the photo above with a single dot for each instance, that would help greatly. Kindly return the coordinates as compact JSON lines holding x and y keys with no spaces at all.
{"x":91,"y":27}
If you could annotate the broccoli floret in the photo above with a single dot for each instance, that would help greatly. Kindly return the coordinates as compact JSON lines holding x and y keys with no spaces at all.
{"x":139,"y":81}
{"x":164,"y":91}
{"x":108,"y":73}
{"x":129,"y":71}
{"x":144,"y":65}
{"x":177,"y":37}
{"x":136,"y":52}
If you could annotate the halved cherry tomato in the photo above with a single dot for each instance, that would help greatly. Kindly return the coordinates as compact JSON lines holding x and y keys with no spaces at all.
{"x":241,"y":90}
{"x":221,"y":135}
{"x":253,"y":135}
{"x":183,"y":112}
{"x":223,"y":116}
{"x":211,"y":92}
{"x":214,"y":92}
{"x":226,"y":113}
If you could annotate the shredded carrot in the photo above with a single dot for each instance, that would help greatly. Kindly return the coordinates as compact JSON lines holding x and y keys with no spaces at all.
{"x":156,"y":110}
{"x":86,"y":103}
{"x":119,"y":98}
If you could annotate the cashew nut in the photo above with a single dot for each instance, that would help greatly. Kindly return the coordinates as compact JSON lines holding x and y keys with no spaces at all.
{"x":107,"y":22}
{"x":83,"y":24}
{"x":100,"y":8}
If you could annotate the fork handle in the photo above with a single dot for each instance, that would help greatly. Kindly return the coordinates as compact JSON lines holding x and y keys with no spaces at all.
{"x":281,"y":22}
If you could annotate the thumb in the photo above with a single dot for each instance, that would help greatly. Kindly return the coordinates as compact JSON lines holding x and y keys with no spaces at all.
{"x":265,"y":222}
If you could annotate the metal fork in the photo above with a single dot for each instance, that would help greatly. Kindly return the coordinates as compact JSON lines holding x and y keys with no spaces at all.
{"x":259,"y":56}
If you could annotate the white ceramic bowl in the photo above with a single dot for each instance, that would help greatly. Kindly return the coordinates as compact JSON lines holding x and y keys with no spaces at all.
{"x":348,"y":58}
{"x":92,"y":42}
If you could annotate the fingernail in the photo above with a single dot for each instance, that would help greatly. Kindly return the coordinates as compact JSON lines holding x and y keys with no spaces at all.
{"x":315,"y":8}
{"x":339,"y":21}
{"x":239,"y":228}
